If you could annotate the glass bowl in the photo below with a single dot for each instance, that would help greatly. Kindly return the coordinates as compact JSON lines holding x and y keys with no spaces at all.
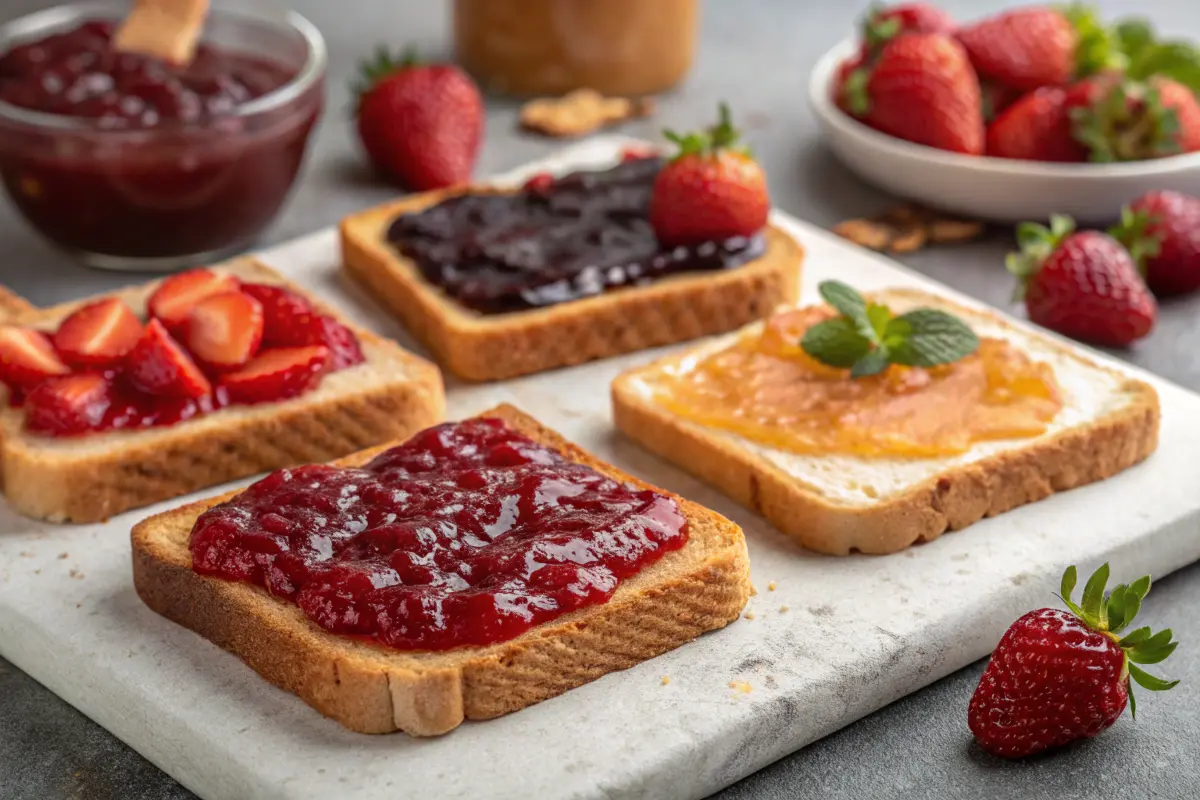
{"x":173,"y":195}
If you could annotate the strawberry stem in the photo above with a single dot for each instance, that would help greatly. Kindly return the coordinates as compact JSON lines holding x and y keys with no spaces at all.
{"x":722,"y":137}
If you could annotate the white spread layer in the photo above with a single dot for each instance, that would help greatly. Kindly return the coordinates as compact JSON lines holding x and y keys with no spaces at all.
{"x":1088,"y":392}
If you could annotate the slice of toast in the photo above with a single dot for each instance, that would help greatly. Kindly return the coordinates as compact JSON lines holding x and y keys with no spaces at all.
{"x":371,"y":688}
{"x":85,"y":479}
{"x":487,"y":347}
{"x":842,"y":503}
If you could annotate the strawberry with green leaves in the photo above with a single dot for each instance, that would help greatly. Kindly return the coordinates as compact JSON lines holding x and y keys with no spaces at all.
{"x":420,"y":124}
{"x":882,"y":24}
{"x":1083,"y":284}
{"x":920,"y":88}
{"x":712,"y":189}
{"x":1161,"y":230}
{"x":1126,"y":120}
{"x":1057,"y":676}
{"x":866,"y":337}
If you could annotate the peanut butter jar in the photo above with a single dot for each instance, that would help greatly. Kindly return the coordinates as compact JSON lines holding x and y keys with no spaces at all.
{"x":548,"y":47}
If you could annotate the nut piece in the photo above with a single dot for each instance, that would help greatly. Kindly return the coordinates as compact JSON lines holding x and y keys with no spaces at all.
{"x":168,"y":29}
{"x":907,"y":229}
{"x":581,"y":112}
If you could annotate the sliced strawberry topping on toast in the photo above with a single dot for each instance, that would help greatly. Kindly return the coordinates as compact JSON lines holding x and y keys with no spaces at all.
{"x":175,"y":297}
{"x":344,"y":349}
{"x":277,"y":374}
{"x":225,"y":330}
{"x":99,"y":334}
{"x":158,"y":365}
{"x":27,"y":357}
{"x":68,"y":405}
{"x":285,"y":314}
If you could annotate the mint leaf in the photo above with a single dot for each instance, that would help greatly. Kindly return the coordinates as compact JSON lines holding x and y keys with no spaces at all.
{"x":836,"y":342}
{"x":1134,"y":36}
{"x":879,"y":316}
{"x":846,"y":300}
{"x":1178,"y":61}
{"x":872,"y":363}
{"x":931,"y":337}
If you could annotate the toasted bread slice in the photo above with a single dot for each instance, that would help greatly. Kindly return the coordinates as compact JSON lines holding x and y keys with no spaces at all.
{"x":841,"y":503}
{"x":374,"y":689}
{"x":487,"y":347}
{"x":85,"y":479}
{"x":13,"y":306}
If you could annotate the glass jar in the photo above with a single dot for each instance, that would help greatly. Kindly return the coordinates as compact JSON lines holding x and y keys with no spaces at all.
{"x":549,"y":47}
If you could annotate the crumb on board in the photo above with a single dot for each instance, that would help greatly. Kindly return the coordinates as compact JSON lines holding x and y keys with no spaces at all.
{"x":749,"y":615}
{"x":665,"y":680}
{"x":783,"y":609}
{"x":741,"y":686}
{"x":771,"y":586}
{"x":63,"y":555}
{"x":26,"y":554}
{"x":76,"y":574}
{"x":753,"y":591}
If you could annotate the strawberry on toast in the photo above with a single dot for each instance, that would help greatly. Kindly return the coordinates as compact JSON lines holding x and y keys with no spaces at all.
{"x":159,"y":390}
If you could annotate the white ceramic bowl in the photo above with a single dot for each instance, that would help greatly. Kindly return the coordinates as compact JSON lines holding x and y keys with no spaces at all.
{"x":999,"y":189}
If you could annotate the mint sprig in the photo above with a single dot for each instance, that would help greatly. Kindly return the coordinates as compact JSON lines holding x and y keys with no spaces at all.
{"x":1112,"y":614}
{"x":865,"y":338}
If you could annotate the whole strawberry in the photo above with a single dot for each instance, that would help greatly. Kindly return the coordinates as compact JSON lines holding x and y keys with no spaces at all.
{"x":1162,"y":232}
{"x":419,"y":123}
{"x":713,"y":189}
{"x":921,"y":88}
{"x":1025,"y":49}
{"x":1125,"y":120}
{"x":1036,"y":128}
{"x":1058,"y":676}
{"x":1081,"y":284}
{"x":881,"y":24}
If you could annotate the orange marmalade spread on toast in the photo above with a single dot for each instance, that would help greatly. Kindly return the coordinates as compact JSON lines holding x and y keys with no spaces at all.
{"x":766,"y":388}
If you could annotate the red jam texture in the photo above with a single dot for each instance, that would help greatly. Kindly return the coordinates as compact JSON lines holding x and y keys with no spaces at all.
{"x":159,"y":162}
{"x":468,"y":534}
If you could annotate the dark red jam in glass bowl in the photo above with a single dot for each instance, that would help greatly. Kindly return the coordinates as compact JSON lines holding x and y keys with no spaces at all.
{"x":467,"y":534}
{"x":131,"y":162}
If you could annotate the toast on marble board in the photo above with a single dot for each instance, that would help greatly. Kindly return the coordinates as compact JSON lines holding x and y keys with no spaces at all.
{"x":91,"y":478}
{"x":838,"y":504}
{"x":489,"y":347}
{"x":371,"y":688}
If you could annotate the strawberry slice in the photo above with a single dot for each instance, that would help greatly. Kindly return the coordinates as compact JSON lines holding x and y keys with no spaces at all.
{"x":285,"y":314}
{"x":99,"y":334}
{"x":344,"y":349}
{"x":175,"y":297}
{"x":158,"y":365}
{"x":277,"y":374}
{"x":27,"y":357}
{"x":224,"y":330}
{"x":68,"y":405}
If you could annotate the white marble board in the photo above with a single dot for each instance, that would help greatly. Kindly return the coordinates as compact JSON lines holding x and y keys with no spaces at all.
{"x":856,"y":634}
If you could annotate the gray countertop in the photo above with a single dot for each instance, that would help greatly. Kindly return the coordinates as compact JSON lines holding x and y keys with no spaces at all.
{"x":757,"y":54}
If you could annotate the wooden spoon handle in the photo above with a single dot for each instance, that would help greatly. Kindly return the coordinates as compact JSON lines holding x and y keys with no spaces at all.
{"x":168,"y":29}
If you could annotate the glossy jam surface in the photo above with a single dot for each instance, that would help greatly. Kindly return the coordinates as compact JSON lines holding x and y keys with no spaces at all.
{"x":765,"y":388}
{"x":150,"y":160}
{"x":469,"y":533}
{"x":581,"y":235}
{"x":78,"y":73}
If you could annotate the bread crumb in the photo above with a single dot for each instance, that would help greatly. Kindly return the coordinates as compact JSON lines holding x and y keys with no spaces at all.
{"x":76,"y":574}
{"x":741,"y":686}
{"x":783,"y":609}
{"x":580,"y":112}
{"x":26,"y":554}
{"x":665,"y":680}
{"x":749,"y":615}
{"x":79,"y":605}
{"x":771,"y":586}
{"x":37,"y":572}
{"x":61,"y":556}
{"x":753,"y":591}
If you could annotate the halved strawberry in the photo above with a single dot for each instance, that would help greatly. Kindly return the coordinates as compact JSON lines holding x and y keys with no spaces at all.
{"x":99,"y":334}
{"x":277,"y":374}
{"x":344,"y":349}
{"x":225,"y":330}
{"x":175,"y":297}
{"x":27,"y":357}
{"x":284,"y":312}
{"x":158,"y":365}
{"x":68,"y":405}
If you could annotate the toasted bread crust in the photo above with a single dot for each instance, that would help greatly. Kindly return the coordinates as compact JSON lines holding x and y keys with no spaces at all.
{"x":373,"y":689}
{"x":60,"y":486}
{"x":494,"y":347}
{"x":947,"y":502}
{"x":13,"y":306}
